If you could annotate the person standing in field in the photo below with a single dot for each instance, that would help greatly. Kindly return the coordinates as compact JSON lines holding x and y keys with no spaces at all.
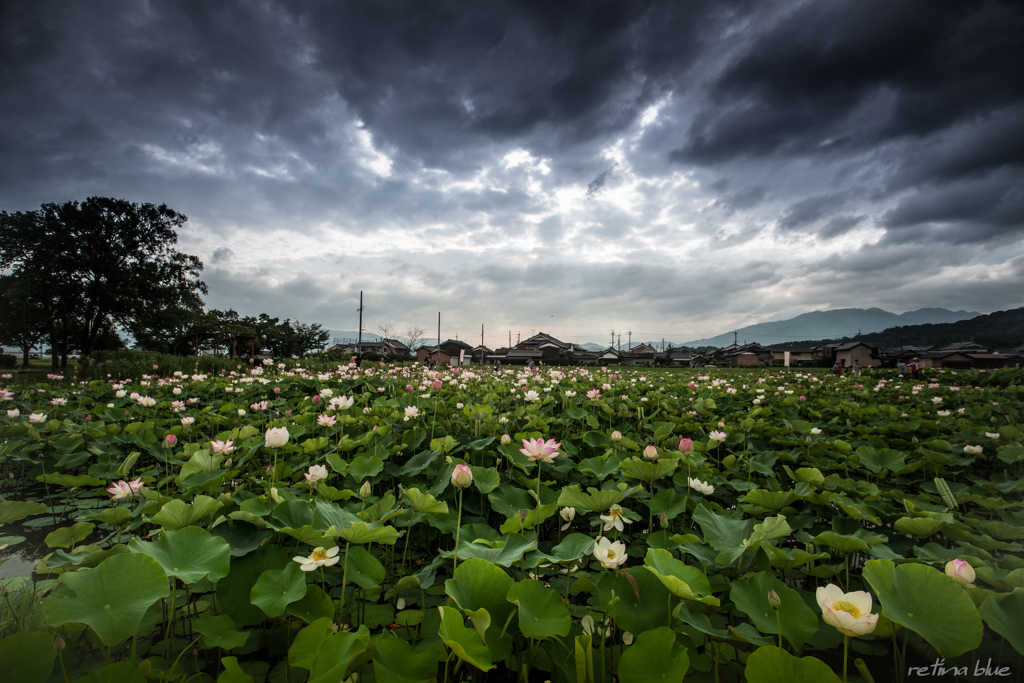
{"x":901,"y":368}
{"x":856,"y":367}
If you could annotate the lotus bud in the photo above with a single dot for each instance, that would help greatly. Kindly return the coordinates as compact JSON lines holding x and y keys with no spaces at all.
{"x":364,"y":490}
{"x":664,"y":520}
{"x":436,"y":384}
{"x":462,"y":476}
{"x":58,"y":644}
{"x":316,"y":399}
{"x":276,"y":437}
{"x":960,"y":571}
{"x":803,"y":398}
{"x":616,"y":435}
{"x":773,"y":600}
{"x":505,"y":439}
{"x":651,"y":452}
{"x":686,"y":446}
{"x":170,"y":441}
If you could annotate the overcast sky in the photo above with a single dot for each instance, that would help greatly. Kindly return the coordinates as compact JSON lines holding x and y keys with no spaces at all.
{"x":675,"y":169}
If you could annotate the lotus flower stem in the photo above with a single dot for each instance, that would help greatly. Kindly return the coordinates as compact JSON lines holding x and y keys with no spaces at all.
{"x":458,"y":530}
{"x":846,"y":647}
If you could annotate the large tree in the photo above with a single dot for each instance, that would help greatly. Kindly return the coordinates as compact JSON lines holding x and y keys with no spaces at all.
{"x":105,"y":263}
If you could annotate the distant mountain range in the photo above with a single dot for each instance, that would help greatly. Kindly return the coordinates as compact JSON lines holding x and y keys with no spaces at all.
{"x":836,"y":324}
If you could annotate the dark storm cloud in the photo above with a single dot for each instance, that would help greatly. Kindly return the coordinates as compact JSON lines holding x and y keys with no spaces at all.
{"x":222,"y":254}
{"x":732,"y":128}
{"x":811,"y":210}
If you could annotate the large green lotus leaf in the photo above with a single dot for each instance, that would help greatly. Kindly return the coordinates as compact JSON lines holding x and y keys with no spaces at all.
{"x":1003,"y":615}
{"x":69,"y":536}
{"x":27,"y":657}
{"x":791,"y":558}
{"x":233,"y":672}
{"x":646,"y":470}
{"x":599,"y":467}
{"x":844,"y":544}
{"x":177,"y":514}
{"x":112,"y":598}
{"x":242,"y":537}
{"x":478,"y":584}
{"x":770,"y":529}
{"x":926,"y":601}
{"x":534,"y":517}
{"x":770,"y":500}
{"x":118,"y":672}
{"x":857,"y":510}
{"x":542,"y":613}
{"x":635,"y":613}
{"x":424,"y":502}
{"x":336,"y":653}
{"x":360,"y":532}
{"x":799,"y":622}
{"x":363,"y":468}
{"x":724,"y":534}
{"x":13,"y":510}
{"x":275,"y":589}
{"x":770,"y":665}
{"x":511,"y":551}
{"x":654,"y":658}
{"x":877,"y":460}
{"x":219,"y":631}
{"x":189,"y":554}
{"x":699,"y":621}
{"x":307,"y":643}
{"x":509,"y":500}
{"x":682,"y":580}
{"x":233,"y":591}
{"x":315,"y":605}
{"x":71,"y":481}
{"x":485,"y":479}
{"x":364,"y":569}
{"x":668,"y":502}
{"x":919,"y":526}
{"x":572,"y":547}
{"x":593,"y":500}
{"x":396,"y":661}
{"x":115,"y":517}
{"x":464,"y":642}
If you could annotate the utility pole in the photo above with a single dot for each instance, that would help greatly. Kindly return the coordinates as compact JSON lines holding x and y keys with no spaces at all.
{"x":619,"y":345}
{"x":359,"y":346}
{"x":510,"y":339}
{"x":663,"y":345}
{"x":629,"y":342}
{"x":481,"y":343}
{"x":519,"y":336}
{"x":735,"y":333}
{"x":439,"y":337}
{"x":613,"y":340}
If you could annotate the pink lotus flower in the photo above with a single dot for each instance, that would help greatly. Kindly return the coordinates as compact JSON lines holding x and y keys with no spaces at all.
{"x":686,"y":446}
{"x":259,"y":405}
{"x":276,"y":437}
{"x":326,"y":420}
{"x":37,"y":417}
{"x":123,"y":489}
{"x":436,"y":384}
{"x":462,"y":476}
{"x":960,"y":571}
{"x":170,"y":441}
{"x":224,"y":447}
{"x":316,"y":473}
{"x":539,"y":449}
{"x":593,"y":393}
{"x":850,"y":613}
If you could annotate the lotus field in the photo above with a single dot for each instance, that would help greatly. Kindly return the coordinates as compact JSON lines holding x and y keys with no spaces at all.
{"x":392,"y":523}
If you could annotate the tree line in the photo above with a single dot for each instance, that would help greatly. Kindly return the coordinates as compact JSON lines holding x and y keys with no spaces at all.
{"x":75,"y":275}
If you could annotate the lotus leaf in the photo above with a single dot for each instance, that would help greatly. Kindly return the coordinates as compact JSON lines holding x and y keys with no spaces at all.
{"x":928,"y":602}
{"x":112,"y":598}
{"x":189,"y":554}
